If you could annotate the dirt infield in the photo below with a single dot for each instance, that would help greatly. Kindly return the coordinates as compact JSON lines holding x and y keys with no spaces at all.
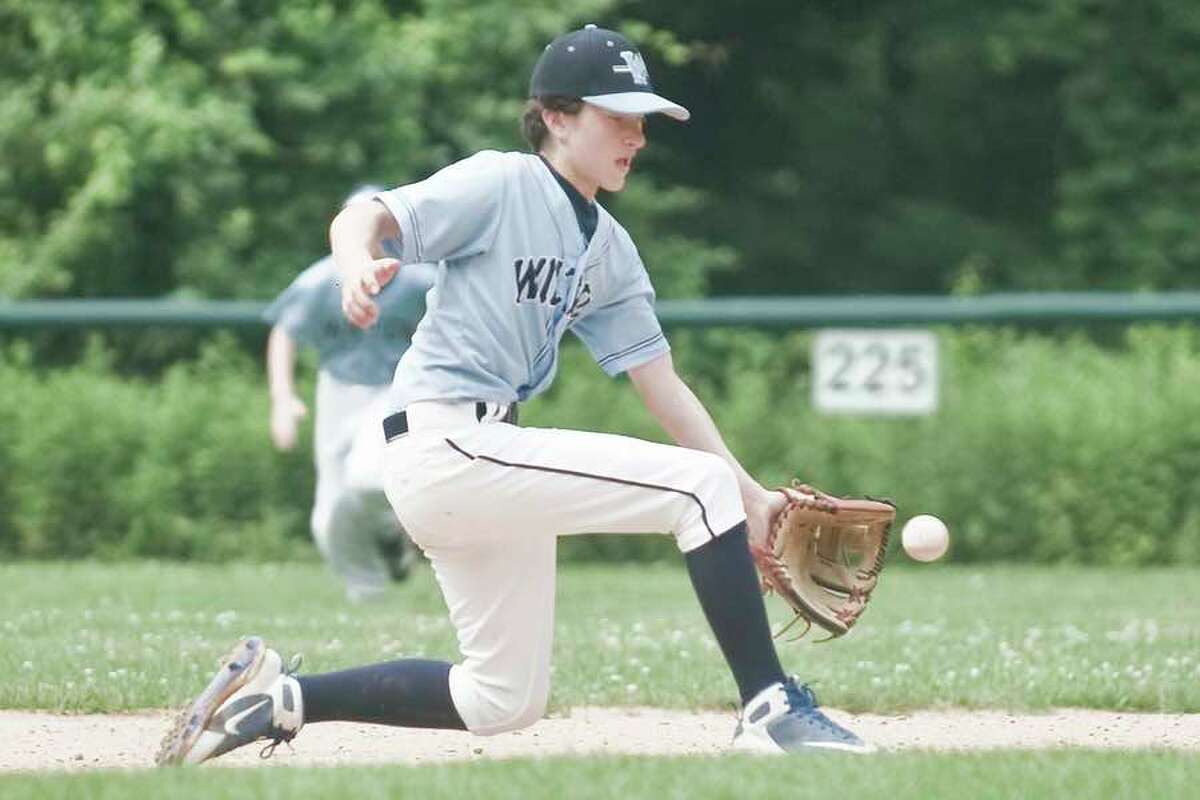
{"x":37,"y":741}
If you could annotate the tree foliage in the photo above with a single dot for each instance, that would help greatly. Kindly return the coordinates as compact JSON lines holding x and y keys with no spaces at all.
{"x":1128,"y":176}
{"x":150,"y":147}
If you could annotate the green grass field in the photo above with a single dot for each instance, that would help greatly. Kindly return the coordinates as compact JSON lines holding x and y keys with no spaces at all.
{"x":88,"y":637}
{"x":85,"y":637}
{"x":1078,"y":774}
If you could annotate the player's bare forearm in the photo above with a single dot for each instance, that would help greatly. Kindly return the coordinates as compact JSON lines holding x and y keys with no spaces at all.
{"x":281,"y":363}
{"x":687,"y":421}
{"x":356,"y":238}
{"x":286,"y":406}
{"x":357,"y":234}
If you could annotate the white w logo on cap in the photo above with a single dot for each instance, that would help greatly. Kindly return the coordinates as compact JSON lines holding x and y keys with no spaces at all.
{"x":635,"y":65}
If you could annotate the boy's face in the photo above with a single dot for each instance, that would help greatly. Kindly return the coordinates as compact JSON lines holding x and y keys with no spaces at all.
{"x":598,"y":147}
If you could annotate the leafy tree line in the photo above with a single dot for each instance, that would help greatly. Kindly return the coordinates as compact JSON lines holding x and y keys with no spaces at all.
{"x":150,"y":147}
{"x":893,"y":146}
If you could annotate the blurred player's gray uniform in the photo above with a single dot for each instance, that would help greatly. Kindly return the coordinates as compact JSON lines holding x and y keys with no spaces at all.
{"x":351,"y":522}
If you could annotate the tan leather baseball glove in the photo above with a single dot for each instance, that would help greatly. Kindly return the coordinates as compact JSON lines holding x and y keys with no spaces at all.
{"x":823,"y":555}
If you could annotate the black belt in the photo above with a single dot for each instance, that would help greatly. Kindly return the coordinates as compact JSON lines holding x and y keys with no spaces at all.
{"x":397,"y":424}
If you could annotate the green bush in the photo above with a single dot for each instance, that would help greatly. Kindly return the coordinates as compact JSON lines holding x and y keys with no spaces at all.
{"x":1045,"y":448}
{"x":97,"y":465}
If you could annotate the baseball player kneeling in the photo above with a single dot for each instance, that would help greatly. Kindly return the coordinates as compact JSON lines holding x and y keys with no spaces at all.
{"x":527,"y":254}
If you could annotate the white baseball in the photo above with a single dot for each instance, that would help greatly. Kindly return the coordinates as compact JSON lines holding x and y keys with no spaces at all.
{"x":925,"y":537}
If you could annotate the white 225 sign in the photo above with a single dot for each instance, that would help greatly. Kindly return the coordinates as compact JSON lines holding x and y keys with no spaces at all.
{"x":870,"y":371}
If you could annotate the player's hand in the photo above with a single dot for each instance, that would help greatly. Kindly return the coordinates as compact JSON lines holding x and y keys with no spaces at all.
{"x":358,"y":295}
{"x":761,"y":507}
{"x":286,"y":413}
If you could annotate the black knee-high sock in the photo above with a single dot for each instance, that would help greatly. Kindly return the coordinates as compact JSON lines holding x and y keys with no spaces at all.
{"x":412,"y":692}
{"x":726,"y":583}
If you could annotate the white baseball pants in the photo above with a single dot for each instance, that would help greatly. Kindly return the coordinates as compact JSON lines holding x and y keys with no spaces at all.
{"x":350,"y":513}
{"x":486,"y":501}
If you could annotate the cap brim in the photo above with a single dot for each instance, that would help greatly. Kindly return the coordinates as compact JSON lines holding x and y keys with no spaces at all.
{"x":639,"y":103}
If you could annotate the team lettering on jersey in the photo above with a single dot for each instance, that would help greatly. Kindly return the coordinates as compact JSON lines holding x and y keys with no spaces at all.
{"x":538,"y":280}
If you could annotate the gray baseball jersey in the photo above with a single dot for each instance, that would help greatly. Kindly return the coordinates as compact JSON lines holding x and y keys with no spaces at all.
{"x":515,"y":274}
{"x":310,"y":311}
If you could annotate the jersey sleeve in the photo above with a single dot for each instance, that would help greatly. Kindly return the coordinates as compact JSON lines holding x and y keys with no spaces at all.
{"x":623,"y":332}
{"x":403,"y":299}
{"x":451,"y":214}
{"x":302,"y":309}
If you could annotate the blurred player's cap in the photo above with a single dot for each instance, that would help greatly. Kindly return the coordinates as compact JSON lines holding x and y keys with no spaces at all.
{"x":364,"y":192}
{"x":602,"y":68}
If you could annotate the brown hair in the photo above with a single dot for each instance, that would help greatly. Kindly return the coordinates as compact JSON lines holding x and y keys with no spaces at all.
{"x":533,"y":128}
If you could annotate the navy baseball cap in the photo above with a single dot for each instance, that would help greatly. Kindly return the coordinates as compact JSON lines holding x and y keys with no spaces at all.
{"x":602,"y":68}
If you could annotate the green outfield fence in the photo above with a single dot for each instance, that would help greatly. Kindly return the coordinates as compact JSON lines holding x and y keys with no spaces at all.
{"x":760,"y":312}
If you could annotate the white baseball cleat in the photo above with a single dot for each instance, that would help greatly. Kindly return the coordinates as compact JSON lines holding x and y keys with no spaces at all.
{"x":250,"y":698}
{"x":784,"y":718}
